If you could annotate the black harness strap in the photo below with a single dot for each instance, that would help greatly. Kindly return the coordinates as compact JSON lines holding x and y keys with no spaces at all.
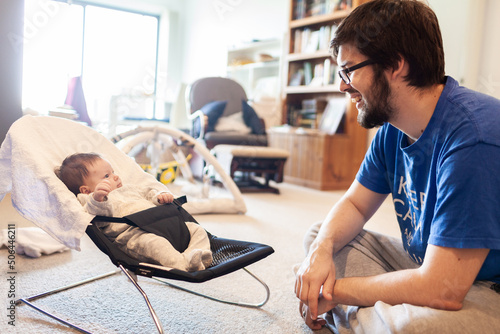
{"x":168,"y":221}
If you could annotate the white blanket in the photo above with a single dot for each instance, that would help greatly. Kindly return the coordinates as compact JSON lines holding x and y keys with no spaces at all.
{"x":32,"y":242}
{"x":33,"y":147}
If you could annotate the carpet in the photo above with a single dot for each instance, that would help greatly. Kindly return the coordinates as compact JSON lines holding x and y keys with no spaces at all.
{"x":113,"y":305}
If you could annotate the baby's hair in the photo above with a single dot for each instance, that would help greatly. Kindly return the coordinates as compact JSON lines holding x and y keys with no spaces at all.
{"x":74,"y":170}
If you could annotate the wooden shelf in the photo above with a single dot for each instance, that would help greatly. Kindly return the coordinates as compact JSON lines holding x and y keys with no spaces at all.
{"x":308,"y":56}
{"x":318,"y":19}
{"x":260,"y":64}
{"x":257,"y":45}
{"x":311,"y":89}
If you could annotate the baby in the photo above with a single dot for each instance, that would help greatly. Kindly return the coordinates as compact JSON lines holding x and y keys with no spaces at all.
{"x":101,"y":192}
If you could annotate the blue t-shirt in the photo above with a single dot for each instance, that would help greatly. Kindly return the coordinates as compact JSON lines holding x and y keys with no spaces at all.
{"x":446,"y":185}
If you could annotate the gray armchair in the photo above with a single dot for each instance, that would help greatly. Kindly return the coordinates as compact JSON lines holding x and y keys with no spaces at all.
{"x":212,"y":98}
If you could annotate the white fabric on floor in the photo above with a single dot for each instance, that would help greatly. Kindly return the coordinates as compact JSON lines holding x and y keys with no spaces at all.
{"x":31,"y":241}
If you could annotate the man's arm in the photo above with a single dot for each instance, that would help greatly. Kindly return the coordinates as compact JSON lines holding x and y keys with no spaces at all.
{"x":344,"y":221}
{"x":442,"y":281}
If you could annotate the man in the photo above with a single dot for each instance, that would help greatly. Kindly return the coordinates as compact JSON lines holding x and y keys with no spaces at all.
{"x":438,"y":154}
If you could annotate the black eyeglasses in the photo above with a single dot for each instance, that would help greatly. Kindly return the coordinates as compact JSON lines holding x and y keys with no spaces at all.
{"x":343,"y":73}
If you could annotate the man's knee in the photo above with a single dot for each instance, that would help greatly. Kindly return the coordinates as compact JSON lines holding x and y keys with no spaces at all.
{"x":310,"y":235}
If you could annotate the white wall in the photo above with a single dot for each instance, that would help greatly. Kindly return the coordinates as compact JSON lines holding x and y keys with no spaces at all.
{"x":11,"y":55}
{"x":489,"y":64}
{"x":471,"y":41}
{"x":212,"y":26}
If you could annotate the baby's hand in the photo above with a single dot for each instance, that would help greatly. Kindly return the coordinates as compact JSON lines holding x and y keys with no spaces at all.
{"x":102,"y":190}
{"x":165,"y":198}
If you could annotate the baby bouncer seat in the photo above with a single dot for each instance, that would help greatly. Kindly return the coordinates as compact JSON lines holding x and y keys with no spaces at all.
{"x":34,"y":146}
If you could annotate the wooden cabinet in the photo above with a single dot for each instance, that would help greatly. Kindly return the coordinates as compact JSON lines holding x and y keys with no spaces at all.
{"x":317,"y":160}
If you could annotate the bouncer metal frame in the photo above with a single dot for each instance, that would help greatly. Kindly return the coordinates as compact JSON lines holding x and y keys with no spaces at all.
{"x":133,"y":279}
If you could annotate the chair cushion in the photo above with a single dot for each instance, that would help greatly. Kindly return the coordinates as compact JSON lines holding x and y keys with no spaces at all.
{"x":213,"y":110}
{"x":216,"y":138}
{"x":250,"y":151}
{"x":233,"y":123}
{"x":252,"y":119}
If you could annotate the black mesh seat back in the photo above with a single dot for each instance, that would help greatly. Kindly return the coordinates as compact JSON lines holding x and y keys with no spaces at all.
{"x":224,"y":251}
{"x":229,"y":255}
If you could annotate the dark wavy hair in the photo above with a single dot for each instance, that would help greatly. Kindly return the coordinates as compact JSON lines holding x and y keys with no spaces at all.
{"x":386,"y":30}
{"x":73,"y":170}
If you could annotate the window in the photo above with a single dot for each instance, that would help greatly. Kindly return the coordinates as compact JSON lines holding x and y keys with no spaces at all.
{"x":114,"y":52}
{"x":52,"y":52}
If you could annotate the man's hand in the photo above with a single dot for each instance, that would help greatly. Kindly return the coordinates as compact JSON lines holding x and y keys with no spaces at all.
{"x":315,"y":280}
{"x":102,"y":190}
{"x":306,"y":315}
{"x":165,"y":198}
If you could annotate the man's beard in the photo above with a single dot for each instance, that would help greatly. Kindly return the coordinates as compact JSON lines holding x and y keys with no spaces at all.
{"x":378,"y":111}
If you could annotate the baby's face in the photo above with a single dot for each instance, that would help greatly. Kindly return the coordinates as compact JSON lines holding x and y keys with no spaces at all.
{"x":99,"y":171}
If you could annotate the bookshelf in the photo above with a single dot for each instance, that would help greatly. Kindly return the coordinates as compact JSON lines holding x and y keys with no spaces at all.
{"x":256,"y":66}
{"x":311,"y":71}
{"x":249,"y":62}
{"x":317,"y":159}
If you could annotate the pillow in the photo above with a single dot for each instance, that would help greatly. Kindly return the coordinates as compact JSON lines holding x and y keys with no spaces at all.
{"x":233,"y":123}
{"x":252,"y":119}
{"x":213,"y":110}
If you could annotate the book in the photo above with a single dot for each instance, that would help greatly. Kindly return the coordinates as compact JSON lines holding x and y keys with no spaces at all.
{"x":309,"y":106}
{"x":332,"y":116}
{"x":310,"y":114}
{"x":308,"y":73}
{"x":297,"y":41}
{"x":317,"y":79}
{"x":304,"y":40}
{"x":324,"y":38}
{"x":293,"y":114}
{"x":327,"y":71}
{"x":299,"y":10}
{"x":297,"y":78}
{"x":333,"y":31}
{"x":312,"y":42}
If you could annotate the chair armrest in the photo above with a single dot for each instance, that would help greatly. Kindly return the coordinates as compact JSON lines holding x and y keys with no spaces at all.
{"x":198,"y":114}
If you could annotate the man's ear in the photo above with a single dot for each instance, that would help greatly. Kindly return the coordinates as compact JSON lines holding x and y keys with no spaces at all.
{"x":84,"y":190}
{"x":400,"y":69}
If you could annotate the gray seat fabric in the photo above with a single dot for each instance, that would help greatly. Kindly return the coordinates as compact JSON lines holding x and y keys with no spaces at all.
{"x":210,"y":89}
